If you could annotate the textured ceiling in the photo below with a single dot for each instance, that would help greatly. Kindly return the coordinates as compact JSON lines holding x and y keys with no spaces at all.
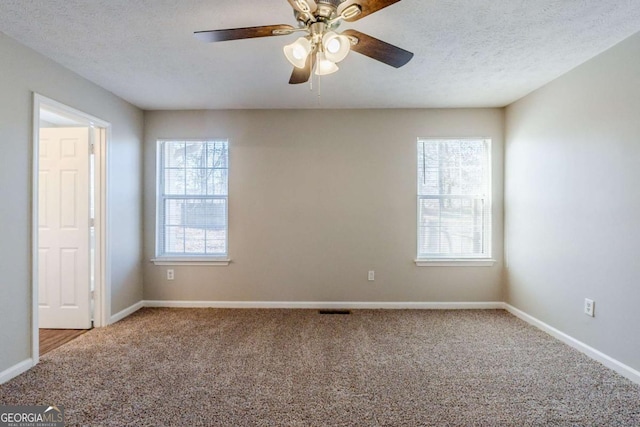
{"x":468,"y":53}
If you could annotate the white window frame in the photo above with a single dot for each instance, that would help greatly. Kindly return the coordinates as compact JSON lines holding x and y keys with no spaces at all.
{"x":474,"y":260}
{"x":187,"y":259}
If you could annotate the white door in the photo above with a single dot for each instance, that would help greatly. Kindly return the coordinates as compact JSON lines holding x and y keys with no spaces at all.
{"x":64,"y":294}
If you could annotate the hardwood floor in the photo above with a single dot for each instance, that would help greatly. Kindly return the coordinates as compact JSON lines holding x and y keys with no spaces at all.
{"x":53,"y":338}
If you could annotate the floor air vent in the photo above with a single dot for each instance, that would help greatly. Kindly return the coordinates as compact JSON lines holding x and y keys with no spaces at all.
{"x":334,"y":311}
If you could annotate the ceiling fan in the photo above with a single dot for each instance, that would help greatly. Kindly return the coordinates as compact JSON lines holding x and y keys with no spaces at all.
{"x":321,"y":47}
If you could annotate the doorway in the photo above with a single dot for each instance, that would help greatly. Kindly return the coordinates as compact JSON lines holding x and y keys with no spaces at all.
{"x":70,"y":286}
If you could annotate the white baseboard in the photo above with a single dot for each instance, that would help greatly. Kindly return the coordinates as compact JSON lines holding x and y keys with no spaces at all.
{"x":126,"y":312}
{"x":328,"y":305}
{"x":15,"y":370}
{"x":619,"y":367}
{"x":609,"y":362}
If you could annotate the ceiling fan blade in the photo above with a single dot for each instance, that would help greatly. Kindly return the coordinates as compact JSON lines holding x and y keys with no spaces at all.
{"x":243,"y":33}
{"x":304,"y":6}
{"x":378,"y":50}
{"x":301,"y":75}
{"x":368,"y":7}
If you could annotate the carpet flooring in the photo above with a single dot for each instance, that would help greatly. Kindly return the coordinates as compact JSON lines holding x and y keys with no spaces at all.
{"x":223,"y":367}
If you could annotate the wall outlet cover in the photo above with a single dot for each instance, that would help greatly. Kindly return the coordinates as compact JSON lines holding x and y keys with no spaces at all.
{"x":589,"y":307}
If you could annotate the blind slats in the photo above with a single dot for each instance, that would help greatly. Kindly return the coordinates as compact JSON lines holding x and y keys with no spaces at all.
{"x":193,"y":198}
{"x":454,"y":202}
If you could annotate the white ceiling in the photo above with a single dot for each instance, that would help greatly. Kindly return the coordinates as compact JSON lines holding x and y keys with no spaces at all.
{"x":468,"y":53}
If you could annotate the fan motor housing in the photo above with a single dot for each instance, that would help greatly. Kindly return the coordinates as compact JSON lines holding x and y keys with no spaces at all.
{"x":326,"y":10}
{"x":334,"y":3}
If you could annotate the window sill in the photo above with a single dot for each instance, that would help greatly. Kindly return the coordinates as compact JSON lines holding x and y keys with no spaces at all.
{"x":455,"y":262}
{"x":220,"y":262}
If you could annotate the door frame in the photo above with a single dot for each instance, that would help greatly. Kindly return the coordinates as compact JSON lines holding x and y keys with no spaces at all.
{"x":102,"y":288}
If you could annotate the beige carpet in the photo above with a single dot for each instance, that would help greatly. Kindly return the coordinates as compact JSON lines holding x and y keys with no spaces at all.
{"x":207,"y":367}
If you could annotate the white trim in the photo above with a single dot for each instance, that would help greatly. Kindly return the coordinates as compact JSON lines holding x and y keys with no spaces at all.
{"x":454,"y":262}
{"x":35,"y":179}
{"x":608,"y":361}
{"x":198,"y":259}
{"x":126,"y":312}
{"x":220,"y":262}
{"x":102,"y":294}
{"x":611,"y":363}
{"x":102,"y":301}
{"x":328,"y":304}
{"x":16,"y":370}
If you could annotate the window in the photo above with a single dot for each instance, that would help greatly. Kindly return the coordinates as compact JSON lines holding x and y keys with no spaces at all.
{"x":193,"y":199}
{"x":454,"y":199}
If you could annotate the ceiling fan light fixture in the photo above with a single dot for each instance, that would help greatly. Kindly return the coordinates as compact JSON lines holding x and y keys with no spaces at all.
{"x":321,"y":48}
{"x":303,"y":6}
{"x":351,"y":12}
{"x":297,"y":52}
{"x":336,"y":46}
{"x":324,"y":66}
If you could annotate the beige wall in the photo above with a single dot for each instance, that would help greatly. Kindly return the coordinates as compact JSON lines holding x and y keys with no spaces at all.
{"x":318,"y":198}
{"x":23,"y":71}
{"x":573,"y":204}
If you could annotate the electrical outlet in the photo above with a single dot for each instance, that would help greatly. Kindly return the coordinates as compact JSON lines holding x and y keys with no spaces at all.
{"x":170,"y":274}
{"x":372,"y":275}
{"x":589,"y":307}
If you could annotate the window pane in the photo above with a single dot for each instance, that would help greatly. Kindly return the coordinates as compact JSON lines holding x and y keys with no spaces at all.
{"x":455,"y":167}
{"x":429,"y":227}
{"x":216,"y":241}
{"x":450,"y":226}
{"x":472,"y":180}
{"x":174,"y":240}
{"x":453,"y":220}
{"x":217,"y":154}
{"x":207,"y":213}
{"x":196,"y":154}
{"x":197,"y":181}
{"x":217,"y":182}
{"x":428,"y":171}
{"x":194,"y":240}
{"x":174,"y":212}
{"x":173,"y":154}
{"x":174,"y":182}
{"x":194,"y":198}
{"x":196,"y":226}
